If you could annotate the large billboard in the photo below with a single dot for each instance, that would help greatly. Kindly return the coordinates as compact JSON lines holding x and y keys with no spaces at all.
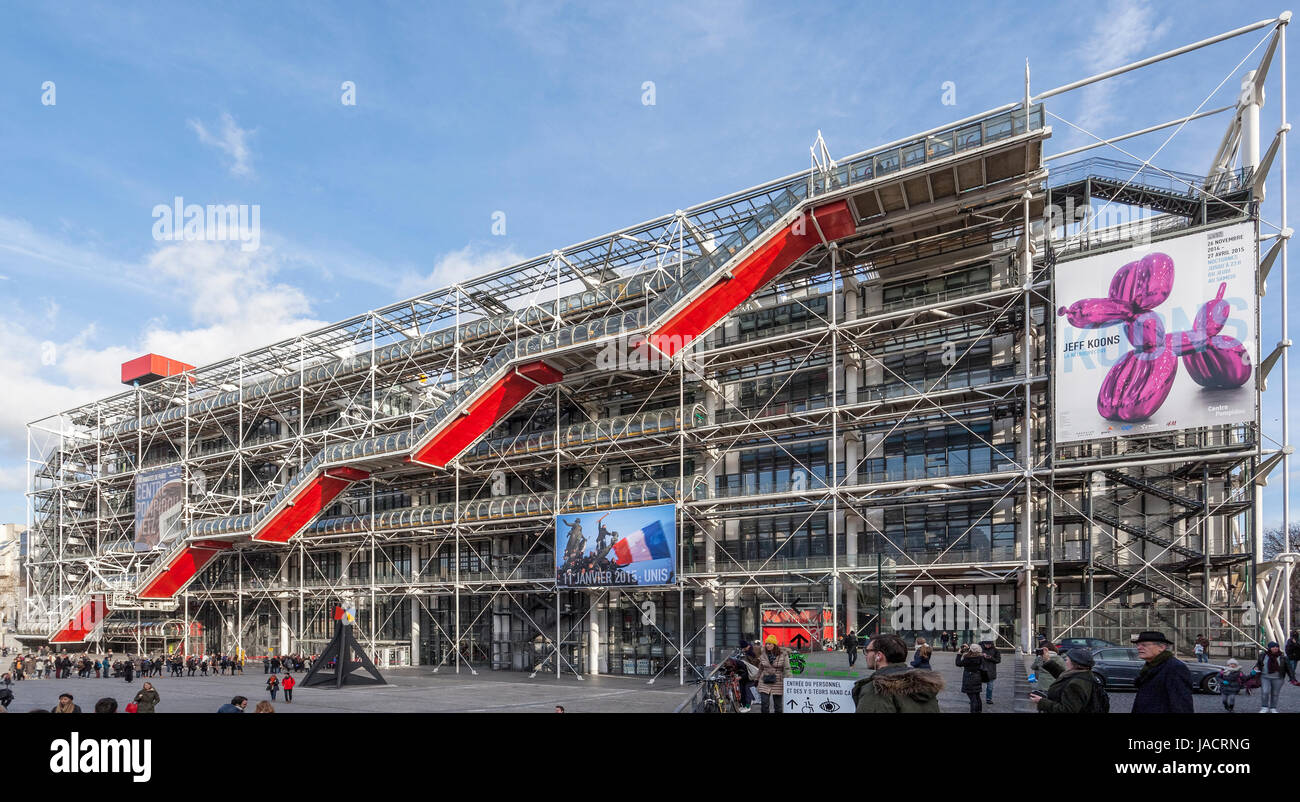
{"x":159,"y":504}
{"x":1157,"y":337}
{"x":618,"y":548}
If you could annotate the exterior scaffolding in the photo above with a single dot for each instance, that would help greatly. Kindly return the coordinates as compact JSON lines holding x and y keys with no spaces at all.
{"x":870,"y":421}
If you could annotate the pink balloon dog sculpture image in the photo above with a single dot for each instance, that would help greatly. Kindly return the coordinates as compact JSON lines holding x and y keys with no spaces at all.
{"x":1139,"y":383}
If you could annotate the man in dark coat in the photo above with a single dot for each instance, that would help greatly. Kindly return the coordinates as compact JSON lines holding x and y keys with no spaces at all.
{"x":1164,"y":685}
{"x":1293,"y":648}
{"x":1075,"y":688}
{"x":991,"y":660}
{"x":851,"y":647}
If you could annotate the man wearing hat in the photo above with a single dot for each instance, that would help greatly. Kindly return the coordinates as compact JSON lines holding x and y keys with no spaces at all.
{"x":1076,"y":689}
{"x":1164,"y":685}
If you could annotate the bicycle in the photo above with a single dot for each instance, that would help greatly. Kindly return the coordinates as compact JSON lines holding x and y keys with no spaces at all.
{"x":721,"y":693}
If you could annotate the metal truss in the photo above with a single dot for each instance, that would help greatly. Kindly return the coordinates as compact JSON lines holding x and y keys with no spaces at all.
{"x":469,"y":549}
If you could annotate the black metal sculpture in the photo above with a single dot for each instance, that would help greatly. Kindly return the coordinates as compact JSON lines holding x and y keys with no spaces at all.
{"x":351,"y":665}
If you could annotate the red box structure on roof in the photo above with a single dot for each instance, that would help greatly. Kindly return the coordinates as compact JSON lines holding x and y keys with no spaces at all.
{"x":151,"y":367}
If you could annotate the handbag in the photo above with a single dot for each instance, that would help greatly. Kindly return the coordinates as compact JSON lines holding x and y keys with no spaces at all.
{"x":769,"y":679}
{"x":132,"y":707}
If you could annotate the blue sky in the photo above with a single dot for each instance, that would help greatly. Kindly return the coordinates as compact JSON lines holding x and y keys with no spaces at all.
{"x":533,"y":109}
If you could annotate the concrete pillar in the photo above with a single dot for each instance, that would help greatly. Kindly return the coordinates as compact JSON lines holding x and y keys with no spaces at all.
{"x":500,"y":624}
{"x":852,"y":454}
{"x":850,"y":301}
{"x":282,"y":606}
{"x":710,"y":531}
{"x":602,"y":632}
{"x":593,"y":632}
{"x":415,"y":631}
{"x":852,"y":526}
{"x":1026,"y":579}
{"x":712,"y":400}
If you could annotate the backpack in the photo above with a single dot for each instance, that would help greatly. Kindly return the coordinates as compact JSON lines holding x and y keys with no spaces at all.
{"x":1099,"y":701}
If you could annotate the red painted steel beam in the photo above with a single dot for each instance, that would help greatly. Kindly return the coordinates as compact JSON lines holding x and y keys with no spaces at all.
{"x":83,"y":621}
{"x":484,"y":413}
{"x":782,"y":249}
{"x":183,"y":568}
{"x":307,"y":504}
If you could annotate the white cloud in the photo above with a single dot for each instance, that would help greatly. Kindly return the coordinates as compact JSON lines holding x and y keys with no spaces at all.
{"x":232,"y":302}
{"x":1124,"y":32}
{"x":233,"y":141}
{"x":459,"y":265}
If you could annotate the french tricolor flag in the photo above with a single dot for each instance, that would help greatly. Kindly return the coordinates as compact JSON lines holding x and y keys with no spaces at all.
{"x":647,"y":543}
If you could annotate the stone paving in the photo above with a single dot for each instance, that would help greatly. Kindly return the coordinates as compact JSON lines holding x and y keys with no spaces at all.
{"x":410,"y":690}
{"x":421,"y":690}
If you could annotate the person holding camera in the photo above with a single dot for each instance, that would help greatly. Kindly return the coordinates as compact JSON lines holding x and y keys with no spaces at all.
{"x":970,"y":659}
{"x":1075,"y":690}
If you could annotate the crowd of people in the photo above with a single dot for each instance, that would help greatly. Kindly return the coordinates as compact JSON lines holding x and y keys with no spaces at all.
{"x":45,"y":664}
{"x":1064,"y":683}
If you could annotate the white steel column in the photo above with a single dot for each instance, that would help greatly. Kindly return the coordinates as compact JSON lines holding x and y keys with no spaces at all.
{"x":852,"y":455}
{"x":593,"y":632}
{"x":1286,"y":336}
{"x":1027,"y":353}
{"x":710,"y":531}
{"x":283,"y":607}
{"x":712,"y":400}
{"x":415,"y":630}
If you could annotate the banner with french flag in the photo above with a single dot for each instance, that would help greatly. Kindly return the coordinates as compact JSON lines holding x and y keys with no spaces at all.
{"x":617,"y":547}
{"x":647,"y":543}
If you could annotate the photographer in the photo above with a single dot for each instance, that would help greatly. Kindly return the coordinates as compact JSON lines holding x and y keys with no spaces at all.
{"x":1041,"y":674}
{"x":971,"y":660}
{"x":1076,"y":689}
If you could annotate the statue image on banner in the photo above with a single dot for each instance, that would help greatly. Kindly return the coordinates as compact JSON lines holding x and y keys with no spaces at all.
{"x":617,"y":548}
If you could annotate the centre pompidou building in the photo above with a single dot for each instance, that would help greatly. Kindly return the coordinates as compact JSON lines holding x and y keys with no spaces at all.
{"x":843,"y":385}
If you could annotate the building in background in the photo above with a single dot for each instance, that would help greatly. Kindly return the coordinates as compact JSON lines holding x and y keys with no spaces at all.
{"x":847,"y":383}
{"x":13,"y":543}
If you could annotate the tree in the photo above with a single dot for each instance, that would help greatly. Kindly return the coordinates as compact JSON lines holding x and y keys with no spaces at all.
{"x":1275,"y":544}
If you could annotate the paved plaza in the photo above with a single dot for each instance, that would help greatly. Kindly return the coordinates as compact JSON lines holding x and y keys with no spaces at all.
{"x":422,"y":690}
{"x":410,"y":690}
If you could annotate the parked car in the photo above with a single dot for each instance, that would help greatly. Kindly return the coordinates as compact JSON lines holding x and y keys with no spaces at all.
{"x":1118,"y":667}
{"x":1091,"y":644}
